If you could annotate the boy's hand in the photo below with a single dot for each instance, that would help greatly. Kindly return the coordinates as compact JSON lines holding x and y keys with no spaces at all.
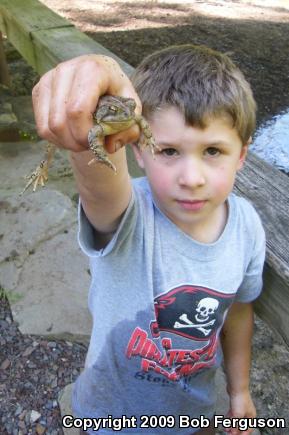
{"x":241,"y":406}
{"x":66,"y":97}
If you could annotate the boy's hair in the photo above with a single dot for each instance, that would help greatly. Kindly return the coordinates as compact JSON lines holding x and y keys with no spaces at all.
{"x":200,"y":82}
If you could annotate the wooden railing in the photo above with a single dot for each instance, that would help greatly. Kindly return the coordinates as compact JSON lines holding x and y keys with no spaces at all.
{"x":44,"y":39}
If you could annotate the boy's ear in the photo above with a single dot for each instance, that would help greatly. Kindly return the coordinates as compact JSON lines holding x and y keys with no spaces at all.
{"x":243,"y":154}
{"x":138,"y":155}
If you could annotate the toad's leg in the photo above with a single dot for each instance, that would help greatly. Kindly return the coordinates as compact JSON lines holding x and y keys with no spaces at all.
{"x":148,"y":139}
{"x":40,"y":175}
{"x":96,"y":144}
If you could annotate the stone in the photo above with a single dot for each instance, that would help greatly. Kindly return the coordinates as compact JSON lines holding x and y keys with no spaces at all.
{"x":40,"y":429}
{"x":19,"y":410}
{"x":7,"y":116}
{"x":28,"y":351}
{"x":64,"y":400}
{"x":53,"y":292}
{"x":5,"y":364}
{"x":34,"y":416}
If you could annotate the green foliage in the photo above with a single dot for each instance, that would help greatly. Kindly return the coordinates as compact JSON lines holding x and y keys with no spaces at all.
{"x":26,"y":135}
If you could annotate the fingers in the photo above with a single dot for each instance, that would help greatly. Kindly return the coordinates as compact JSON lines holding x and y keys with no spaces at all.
{"x":66,"y":97}
{"x":59,"y":104}
{"x":115,"y":142}
{"x":70,"y":114}
{"x":41,"y":95}
{"x":242,"y":410}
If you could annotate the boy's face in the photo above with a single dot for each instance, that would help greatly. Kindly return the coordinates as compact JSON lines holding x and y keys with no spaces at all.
{"x":193,"y":174}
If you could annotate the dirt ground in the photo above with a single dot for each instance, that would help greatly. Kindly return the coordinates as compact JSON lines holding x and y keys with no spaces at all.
{"x":255,"y":34}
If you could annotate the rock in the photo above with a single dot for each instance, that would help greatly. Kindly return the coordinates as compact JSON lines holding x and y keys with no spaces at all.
{"x":34,"y":416}
{"x":6,"y":363}
{"x":40,"y":429}
{"x":54,"y":383}
{"x":22,"y":415}
{"x":51,"y":344}
{"x":28,"y":351}
{"x":64,"y":400}
{"x":7,"y":116}
{"x":18,"y":411}
{"x":22,"y":425}
{"x":8,"y":123}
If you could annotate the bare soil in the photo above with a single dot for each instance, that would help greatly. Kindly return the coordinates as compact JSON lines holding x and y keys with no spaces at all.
{"x":254,"y":33}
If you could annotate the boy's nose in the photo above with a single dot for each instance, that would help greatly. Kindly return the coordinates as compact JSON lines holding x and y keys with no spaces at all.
{"x":191,"y":174}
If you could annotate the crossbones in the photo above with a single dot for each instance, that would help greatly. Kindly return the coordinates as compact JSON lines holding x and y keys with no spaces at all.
{"x":189,"y":324}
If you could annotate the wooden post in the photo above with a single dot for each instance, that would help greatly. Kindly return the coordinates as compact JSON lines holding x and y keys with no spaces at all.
{"x":4,"y":72}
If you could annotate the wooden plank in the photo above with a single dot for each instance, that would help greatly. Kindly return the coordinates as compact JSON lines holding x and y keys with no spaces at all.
{"x":31,"y":15}
{"x":49,"y":52}
{"x":45,"y":39}
{"x":272,"y":306}
{"x":267,"y":188}
{"x":21,"y":18}
{"x":35,"y":31}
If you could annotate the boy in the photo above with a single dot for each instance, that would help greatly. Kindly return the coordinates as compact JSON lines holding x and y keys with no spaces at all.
{"x":175,"y":257}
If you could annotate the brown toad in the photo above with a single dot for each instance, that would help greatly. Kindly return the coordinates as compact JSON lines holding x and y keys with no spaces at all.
{"x":113,"y":114}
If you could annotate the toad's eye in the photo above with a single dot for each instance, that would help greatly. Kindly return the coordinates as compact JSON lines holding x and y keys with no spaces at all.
{"x":212,"y":151}
{"x":169,"y":152}
{"x":113,"y":109}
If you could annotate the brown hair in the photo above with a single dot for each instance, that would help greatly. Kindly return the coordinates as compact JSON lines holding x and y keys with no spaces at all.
{"x":200,"y":82}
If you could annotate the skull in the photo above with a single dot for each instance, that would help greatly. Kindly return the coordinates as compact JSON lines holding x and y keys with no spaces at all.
{"x":206,"y":308}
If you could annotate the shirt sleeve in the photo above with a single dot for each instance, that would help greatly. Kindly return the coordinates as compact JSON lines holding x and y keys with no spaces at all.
{"x":252,"y":283}
{"x":86,"y":233}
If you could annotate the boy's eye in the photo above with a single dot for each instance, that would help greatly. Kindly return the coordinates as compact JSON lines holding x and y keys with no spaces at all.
{"x":212,"y":151}
{"x":169,"y":152}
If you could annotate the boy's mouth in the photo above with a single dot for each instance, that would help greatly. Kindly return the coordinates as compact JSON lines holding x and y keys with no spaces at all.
{"x":194,"y":205}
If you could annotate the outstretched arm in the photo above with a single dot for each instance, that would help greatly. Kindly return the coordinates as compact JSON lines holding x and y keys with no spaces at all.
{"x":236,"y":343}
{"x":64,"y":100}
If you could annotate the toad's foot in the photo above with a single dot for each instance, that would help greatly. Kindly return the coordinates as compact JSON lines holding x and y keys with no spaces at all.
{"x":147,"y":138}
{"x":40,"y":175}
{"x":96,"y":144}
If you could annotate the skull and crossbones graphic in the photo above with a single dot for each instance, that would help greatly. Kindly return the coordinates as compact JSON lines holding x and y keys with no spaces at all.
{"x":205,"y":310}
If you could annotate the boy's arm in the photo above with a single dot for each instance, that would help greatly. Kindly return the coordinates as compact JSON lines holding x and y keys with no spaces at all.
{"x":104,"y":194}
{"x":64,"y":100}
{"x":236,"y":343}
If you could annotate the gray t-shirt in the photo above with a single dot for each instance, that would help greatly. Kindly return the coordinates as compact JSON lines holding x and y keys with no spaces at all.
{"x":158,"y":300}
